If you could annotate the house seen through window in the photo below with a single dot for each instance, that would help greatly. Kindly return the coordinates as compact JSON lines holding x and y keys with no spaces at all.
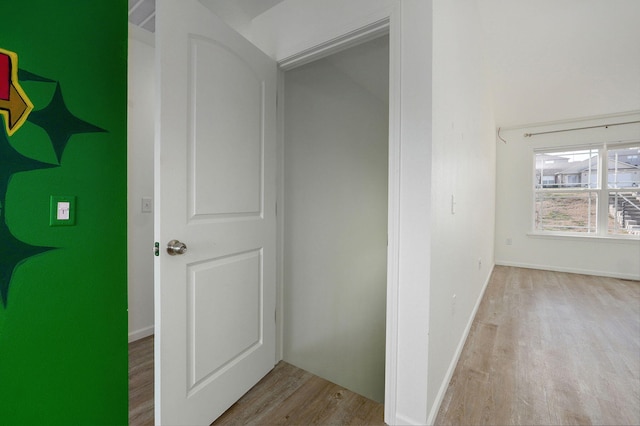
{"x":590,"y":190}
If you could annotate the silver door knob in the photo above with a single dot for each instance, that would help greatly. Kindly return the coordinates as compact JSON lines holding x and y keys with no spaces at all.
{"x":176,"y":247}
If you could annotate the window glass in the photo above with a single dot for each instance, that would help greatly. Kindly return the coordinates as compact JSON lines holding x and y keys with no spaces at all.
{"x":624,"y":167}
{"x":623,"y":172}
{"x":566,"y":211}
{"x":570,"y":169}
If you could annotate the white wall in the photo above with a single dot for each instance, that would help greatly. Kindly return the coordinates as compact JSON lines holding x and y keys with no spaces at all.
{"x":463,"y":168}
{"x":335,"y":222}
{"x":514,"y":205}
{"x":141,"y":93}
{"x":412,"y":121}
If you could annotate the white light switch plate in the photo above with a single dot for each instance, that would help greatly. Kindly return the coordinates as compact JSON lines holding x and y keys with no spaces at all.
{"x":63,"y":210}
{"x":147,"y":204}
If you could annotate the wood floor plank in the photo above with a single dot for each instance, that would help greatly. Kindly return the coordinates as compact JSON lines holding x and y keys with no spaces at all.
{"x":286,"y":396}
{"x":549,"y":348}
{"x":291,"y":396}
{"x":141,"y":382}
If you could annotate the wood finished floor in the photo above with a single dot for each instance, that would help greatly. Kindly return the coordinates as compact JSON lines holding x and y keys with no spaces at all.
{"x":291,"y":396}
{"x":141,"y":382}
{"x":545,"y":348}
{"x":549,"y":348}
{"x":286,"y":396}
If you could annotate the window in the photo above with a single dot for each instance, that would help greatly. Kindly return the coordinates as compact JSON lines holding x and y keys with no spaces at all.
{"x":591,"y":190}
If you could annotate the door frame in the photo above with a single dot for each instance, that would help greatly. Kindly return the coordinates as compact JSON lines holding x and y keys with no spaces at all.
{"x":388,"y":24}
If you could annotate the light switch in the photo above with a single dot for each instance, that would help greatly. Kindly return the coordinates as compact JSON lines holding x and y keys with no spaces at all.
{"x":62,"y":210}
{"x":147,"y":204}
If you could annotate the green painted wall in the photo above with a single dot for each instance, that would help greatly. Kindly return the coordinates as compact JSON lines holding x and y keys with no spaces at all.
{"x":63,"y":316}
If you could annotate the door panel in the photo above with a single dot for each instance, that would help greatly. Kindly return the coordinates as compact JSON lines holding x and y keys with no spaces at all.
{"x":227,"y":99}
{"x":215,"y":191}
{"x":225,"y":292}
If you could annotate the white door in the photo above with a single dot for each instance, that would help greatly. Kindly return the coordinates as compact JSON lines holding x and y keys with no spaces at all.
{"x":215,"y":192}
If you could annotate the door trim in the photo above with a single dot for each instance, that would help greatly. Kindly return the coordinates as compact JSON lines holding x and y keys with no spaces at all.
{"x":388,"y":24}
{"x":343,"y":42}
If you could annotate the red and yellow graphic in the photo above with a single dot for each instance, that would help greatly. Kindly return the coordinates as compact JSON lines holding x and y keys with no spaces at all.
{"x":15,"y":106}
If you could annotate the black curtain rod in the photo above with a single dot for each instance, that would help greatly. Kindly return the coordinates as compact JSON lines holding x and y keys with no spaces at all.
{"x":528,"y":135}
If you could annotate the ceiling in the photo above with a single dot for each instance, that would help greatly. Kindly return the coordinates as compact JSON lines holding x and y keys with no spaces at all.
{"x":546,"y":60}
{"x":550,"y":60}
{"x":367,"y":65}
{"x":142,"y":12}
{"x":254,"y":8}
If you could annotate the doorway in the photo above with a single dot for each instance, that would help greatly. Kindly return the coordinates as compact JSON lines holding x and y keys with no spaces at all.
{"x":334,"y":229}
{"x":349,"y":343}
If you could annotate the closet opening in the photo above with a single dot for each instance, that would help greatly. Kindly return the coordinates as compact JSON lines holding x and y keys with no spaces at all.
{"x":334,"y":194}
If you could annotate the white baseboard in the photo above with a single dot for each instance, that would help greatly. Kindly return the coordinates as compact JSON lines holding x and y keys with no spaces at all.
{"x":141,"y":333}
{"x":454,"y":362}
{"x":401,"y":420}
{"x":570,"y":270}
